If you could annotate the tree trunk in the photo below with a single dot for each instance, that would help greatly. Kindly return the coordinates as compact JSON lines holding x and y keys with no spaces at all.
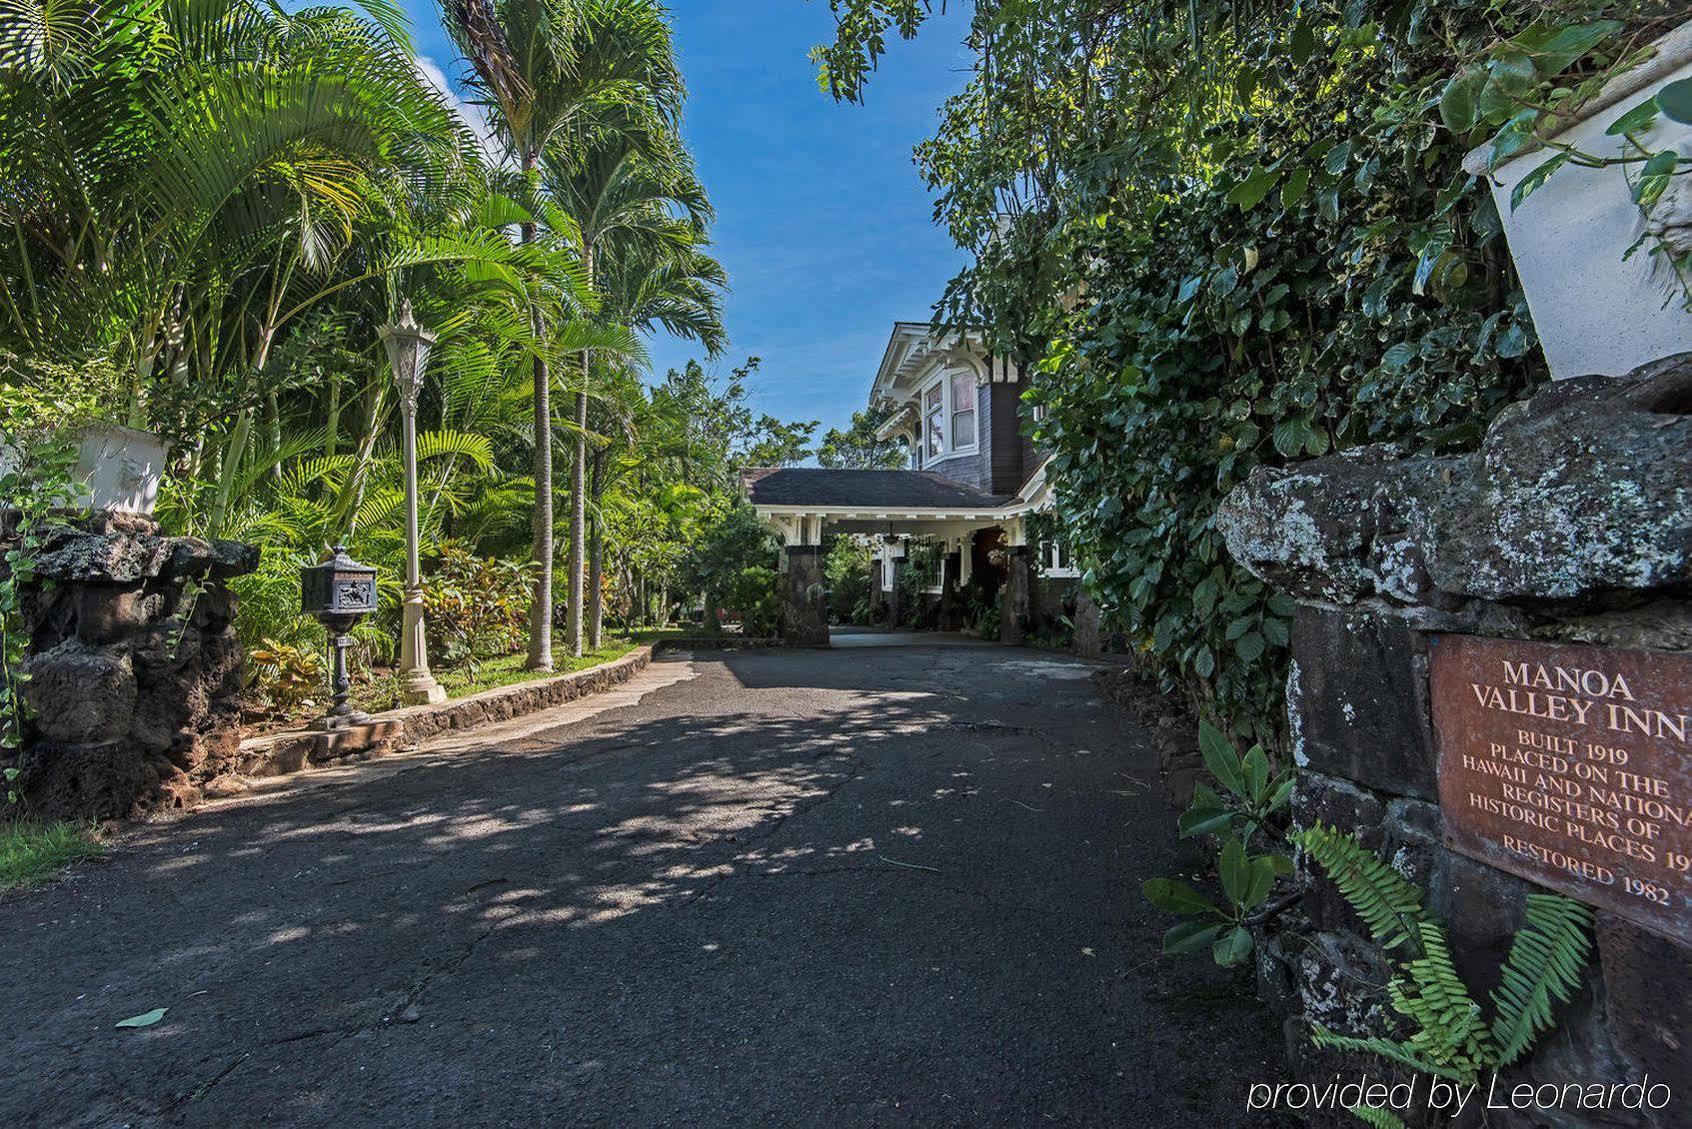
{"x":596,"y":585}
{"x":578,"y":492}
{"x":332,"y":425}
{"x":596,"y":559}
{"x":540,"y":611}
{"x":273,"y":420}
{"x":578,"y":515}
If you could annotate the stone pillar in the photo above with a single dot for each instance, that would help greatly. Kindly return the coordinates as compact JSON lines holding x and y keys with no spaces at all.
{"x":1088,"y":642}
{"x":1013,"y":599}
{"x":804,"y":599}
{"x":951,"y":595}
{"x":134,"y":673}
{"x":1569,"y":524}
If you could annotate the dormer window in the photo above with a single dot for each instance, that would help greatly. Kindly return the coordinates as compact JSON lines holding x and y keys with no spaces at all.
{"x":948,"y":416}
{"x":934,"y":420}
{"x":963,"y":411}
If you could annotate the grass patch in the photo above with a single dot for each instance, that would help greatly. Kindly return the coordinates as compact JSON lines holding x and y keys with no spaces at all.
{"x":507,"y":670}
{"x":30,"y":852}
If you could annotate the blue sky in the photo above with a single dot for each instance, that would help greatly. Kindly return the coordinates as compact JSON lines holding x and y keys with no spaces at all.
{"x":822,"y":222}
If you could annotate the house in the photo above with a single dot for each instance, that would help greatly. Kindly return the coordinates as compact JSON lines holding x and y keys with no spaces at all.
{"x":973,"y":484}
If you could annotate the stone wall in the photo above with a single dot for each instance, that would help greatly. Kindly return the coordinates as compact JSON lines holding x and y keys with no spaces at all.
{"x":803,"y":617}
{"x":135,"y":673}
{"x":1572,"y":523}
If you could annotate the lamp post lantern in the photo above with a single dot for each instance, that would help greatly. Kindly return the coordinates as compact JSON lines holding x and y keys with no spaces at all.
{"x":408,"y":349}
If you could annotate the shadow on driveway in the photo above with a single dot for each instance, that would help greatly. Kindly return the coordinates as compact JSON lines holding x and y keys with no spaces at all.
{"x":804,"y":887}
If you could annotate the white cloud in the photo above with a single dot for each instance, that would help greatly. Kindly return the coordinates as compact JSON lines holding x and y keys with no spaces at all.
{"x":474,"y":116}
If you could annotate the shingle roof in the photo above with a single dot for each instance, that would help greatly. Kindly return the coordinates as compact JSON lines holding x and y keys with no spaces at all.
{"x":871,"y":489}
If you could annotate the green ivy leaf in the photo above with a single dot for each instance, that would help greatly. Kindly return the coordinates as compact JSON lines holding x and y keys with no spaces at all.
{"x":1457,"y":103}
{"x":1513,"y":342}
{"x":1249,"y":647}
{"x":1290,"y":435}
{"x":1531,"y":183}
{"x":1564,"y":48}
{"x":1432,"y":251}
{"x":1509,"y":80}
{"x":1636,"y":119}
{"x":1303,"y":43}
{"x":1293,"y":190}
{"x":1205,"y":664}
{"x":1655,"y":176}
{"x":1250,"y":192}
{"x":1675,"y":99}
{"x":1398,"y":357}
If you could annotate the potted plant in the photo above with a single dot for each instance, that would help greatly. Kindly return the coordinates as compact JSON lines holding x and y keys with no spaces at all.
{"x":1589,"y":167}
{"x":117,"y":469}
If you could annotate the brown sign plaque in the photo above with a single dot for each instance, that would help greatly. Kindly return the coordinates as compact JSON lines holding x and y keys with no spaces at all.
{"x":1572,"y":767}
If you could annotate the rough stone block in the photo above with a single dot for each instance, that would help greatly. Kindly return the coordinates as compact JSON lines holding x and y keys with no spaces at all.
{"x":804,"y":597}
{"x":108,"y":613}
{"x":1089,"y":640}
{"x":1482,"y":909}
{"x":1014,"y":599}
{"x":1360,"y":702}
{"x":81,"y":694}
{"x":1580,"y":491}
{"x":80,"y":781}
{"x":1648,"y":989}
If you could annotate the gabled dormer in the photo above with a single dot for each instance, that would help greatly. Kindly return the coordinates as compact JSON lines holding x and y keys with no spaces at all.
{"x":955,"y":406}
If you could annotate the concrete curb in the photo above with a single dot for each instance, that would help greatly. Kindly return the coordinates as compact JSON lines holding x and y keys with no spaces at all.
{"x":276,"y":754}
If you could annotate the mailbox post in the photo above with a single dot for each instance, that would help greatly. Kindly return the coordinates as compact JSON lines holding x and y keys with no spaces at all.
{"x":338,"y":593}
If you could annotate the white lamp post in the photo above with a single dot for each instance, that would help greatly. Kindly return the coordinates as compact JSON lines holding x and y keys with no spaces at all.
{"x":408,"y":349}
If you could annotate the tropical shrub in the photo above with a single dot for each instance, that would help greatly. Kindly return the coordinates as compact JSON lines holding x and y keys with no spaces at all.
{"x":752,"y":596}
{"x":849,"y":568}
{"x":289,"y":677}
{"x":476,"y":607}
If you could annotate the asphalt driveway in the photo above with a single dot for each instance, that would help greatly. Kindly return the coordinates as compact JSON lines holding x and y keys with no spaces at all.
{"x":843,"y":887}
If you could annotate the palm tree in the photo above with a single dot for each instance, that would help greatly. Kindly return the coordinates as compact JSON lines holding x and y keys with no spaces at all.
{"x":641,"y":214}
{"x":549,"y":68}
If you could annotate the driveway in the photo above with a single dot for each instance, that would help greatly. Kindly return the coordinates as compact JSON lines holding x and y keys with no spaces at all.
{"x":821,"y":887}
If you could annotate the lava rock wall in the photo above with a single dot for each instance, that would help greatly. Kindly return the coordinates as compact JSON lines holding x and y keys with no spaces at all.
{"x":134,"y":673}
{"x":1571,"y":523}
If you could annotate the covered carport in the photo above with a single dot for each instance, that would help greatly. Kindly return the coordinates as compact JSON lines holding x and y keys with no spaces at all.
{"x":801,"y":504}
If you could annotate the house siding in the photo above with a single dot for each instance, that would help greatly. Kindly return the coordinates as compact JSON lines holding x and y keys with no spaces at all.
{"x":1007,"y":465}
{"x":974,"y":469}
{"x":1004,"y":457}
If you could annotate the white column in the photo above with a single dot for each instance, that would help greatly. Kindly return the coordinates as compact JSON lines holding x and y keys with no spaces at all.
{"x":420,"y":685}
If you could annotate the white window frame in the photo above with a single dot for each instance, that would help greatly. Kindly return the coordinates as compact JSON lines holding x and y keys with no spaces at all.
{"x":1056,"y":561}
{"x":947,"y":451}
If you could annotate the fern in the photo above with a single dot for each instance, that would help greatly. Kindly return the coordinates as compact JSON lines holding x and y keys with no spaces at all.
{"x":1390,"y":905}
{"x":1544,"y":967}
{"x":1389,"y":1049}
{"x":1449,"y":1027}
{"x":1377,"y":1118}
{"x":1452,"y":1039}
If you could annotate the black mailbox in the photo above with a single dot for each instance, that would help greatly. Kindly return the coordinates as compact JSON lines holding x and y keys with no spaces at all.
{"x":339,"y":592}
{"x":339,"y":587}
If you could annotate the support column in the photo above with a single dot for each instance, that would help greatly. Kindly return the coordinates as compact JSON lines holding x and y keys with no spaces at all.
{"x":1013,"y":600}
{"x":804,"y":597}
{"x":1089,"y":642}
{"x":951,"y":594}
